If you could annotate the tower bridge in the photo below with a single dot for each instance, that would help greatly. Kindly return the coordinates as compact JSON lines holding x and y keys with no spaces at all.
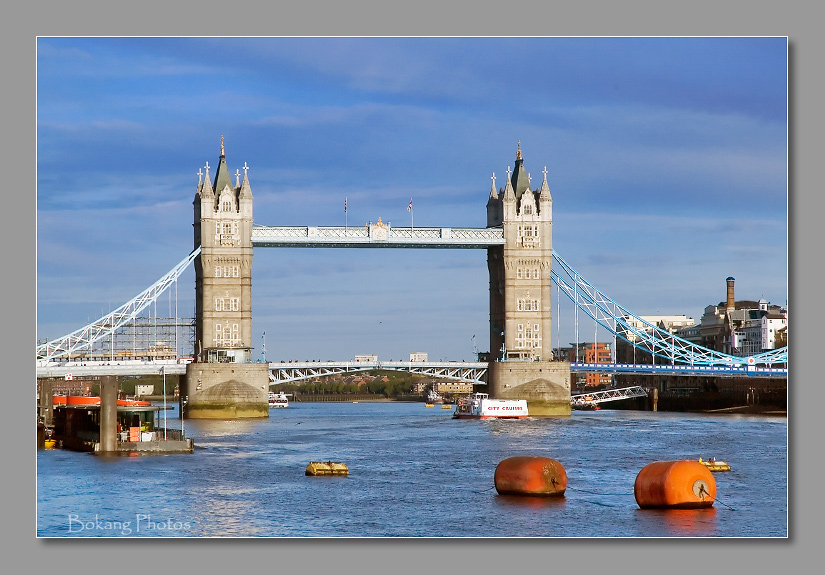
{"x":222,"y":380}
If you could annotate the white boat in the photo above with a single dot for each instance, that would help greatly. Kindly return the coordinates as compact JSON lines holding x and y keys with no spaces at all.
{"x":434,"y":397}
{"x":279,"y":399}
{"x":480,"y":406}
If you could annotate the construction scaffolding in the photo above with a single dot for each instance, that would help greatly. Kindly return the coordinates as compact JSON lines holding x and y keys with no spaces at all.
{"x":145,"y":339}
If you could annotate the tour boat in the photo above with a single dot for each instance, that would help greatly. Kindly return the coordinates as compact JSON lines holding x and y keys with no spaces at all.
{"x":480,"y":406}
{"x":278,"y":399}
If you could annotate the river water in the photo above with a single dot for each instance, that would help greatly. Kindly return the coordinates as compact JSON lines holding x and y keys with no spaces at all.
{"x":417,"y":473}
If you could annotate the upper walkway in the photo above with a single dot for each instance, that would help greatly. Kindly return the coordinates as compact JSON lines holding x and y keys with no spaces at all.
{"x":377,"y":235}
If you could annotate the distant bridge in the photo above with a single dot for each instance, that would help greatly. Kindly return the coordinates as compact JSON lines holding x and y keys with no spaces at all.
{"x":470,"y":372}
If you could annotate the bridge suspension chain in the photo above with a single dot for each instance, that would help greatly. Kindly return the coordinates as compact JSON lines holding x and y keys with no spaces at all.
{"x":601,"y":308}
{"x":642,"y":334}
{"x":84,"y":337}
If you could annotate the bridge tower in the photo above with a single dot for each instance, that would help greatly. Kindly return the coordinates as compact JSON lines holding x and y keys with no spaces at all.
{"x":521,"y":353}
{"x":223,"y":382}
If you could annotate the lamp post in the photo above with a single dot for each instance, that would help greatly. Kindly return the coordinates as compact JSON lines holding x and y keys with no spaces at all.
{"x":163,"y":369}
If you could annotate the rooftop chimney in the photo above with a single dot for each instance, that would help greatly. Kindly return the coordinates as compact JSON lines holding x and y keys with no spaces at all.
{"x":731,"y":303}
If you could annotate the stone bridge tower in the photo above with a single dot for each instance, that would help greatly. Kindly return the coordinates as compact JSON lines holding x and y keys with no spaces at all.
{"x":521,"y":353}
{"x":223,"y":382}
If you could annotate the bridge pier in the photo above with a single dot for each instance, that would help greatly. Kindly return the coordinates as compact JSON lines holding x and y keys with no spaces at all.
{"x":108,"y":414}
{"x":544,"y":384}
{"x":46,"y":406}
{"x":225,"y":391}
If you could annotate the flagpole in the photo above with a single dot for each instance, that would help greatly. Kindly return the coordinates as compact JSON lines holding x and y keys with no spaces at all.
{"x":410,"y":209}
{"x":345,"y":217}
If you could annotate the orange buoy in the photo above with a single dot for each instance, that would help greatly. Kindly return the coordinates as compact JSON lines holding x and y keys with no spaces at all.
{"x":530,"y":475}
{"x":675,"y":484}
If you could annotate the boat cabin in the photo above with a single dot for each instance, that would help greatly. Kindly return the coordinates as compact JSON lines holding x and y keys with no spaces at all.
{"x":76,"y":426}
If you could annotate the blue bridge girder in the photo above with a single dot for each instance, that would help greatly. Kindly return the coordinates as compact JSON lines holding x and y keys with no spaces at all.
{"x":643,"y":335}
{"x":675,"y":369}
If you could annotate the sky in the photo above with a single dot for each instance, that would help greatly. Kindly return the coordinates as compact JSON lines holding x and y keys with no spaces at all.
{"x":666,"y":157}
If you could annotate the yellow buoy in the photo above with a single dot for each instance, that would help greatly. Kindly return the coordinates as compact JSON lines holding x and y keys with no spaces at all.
{"x":714,"y":464}
{"x":327,"y":468}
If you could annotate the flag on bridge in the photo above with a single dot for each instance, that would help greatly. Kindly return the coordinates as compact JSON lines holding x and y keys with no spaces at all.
{"x":409,"y":208}
{"x":345,"y":203}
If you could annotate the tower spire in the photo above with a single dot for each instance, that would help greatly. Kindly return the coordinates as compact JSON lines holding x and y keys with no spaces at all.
{"x":519,"y":180}
{"x":222,"y":177}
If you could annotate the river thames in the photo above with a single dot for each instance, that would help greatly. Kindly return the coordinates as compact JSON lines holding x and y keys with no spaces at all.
{"x":414,"y":472}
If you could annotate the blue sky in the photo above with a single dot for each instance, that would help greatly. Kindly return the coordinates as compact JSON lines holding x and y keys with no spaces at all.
{"x":666,"y":158}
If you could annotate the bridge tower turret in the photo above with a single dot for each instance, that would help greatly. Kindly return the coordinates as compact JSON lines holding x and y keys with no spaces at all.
{"x":521,"y":353}
{"x":223,"y":381}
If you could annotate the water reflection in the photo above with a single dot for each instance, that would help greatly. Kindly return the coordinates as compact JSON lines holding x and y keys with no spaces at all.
{"x":680,"y":522}
{"x":530,"y":502}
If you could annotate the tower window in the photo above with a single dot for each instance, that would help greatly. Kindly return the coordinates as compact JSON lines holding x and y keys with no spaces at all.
{"x":528,"y":235}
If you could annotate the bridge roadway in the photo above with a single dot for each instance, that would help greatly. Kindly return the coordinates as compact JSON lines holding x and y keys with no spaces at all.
{"x":676,"y":369}
{"x":279,"y":372}
{"x":472,"y":372}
